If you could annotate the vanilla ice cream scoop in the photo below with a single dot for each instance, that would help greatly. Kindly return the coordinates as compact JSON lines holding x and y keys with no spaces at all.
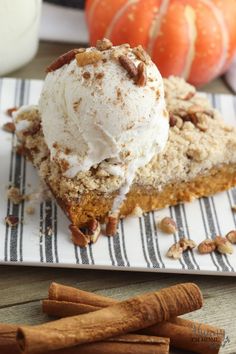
{"x":99,"y":110}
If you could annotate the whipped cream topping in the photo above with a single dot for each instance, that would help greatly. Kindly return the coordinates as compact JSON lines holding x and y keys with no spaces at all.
{"x":96,"y":114}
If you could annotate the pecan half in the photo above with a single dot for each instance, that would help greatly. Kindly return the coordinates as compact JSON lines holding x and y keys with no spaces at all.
{"x":63,"y":59}
{"x":223,"y":245}
{"x":11,"y":220}
{"x":167,"y":225}
{"x":206,"y":246}
{"x":141,"y":78}
{"x":231,"y":236}
{"x":128,"y":65}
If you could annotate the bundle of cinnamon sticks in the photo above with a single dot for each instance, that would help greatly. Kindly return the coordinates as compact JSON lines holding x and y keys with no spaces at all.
{"x":94,"y":324}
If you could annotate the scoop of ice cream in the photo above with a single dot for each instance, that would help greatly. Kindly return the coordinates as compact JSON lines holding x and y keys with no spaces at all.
{"x":93,"y":111}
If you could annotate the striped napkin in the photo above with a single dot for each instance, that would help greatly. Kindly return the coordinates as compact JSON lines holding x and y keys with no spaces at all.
{"x":42,"y":239}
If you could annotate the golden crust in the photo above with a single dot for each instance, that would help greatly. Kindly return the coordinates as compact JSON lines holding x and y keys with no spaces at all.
{"x":97,"y":205}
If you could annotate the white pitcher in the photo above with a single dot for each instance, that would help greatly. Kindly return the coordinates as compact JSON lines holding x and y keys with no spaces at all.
{"x":19,"y":25}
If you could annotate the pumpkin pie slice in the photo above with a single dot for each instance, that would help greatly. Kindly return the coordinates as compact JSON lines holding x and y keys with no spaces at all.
{"x":198,"y":160}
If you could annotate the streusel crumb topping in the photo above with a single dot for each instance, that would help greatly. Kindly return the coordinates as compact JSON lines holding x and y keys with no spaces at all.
{"x":198,"y":140}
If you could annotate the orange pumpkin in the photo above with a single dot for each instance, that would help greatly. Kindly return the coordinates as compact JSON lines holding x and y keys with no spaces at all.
{"x":195,"y":39}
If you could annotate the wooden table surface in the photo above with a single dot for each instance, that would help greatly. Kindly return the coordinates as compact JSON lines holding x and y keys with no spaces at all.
{"x":22,"y":288}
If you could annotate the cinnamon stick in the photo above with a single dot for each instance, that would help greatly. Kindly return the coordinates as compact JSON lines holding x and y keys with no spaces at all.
{"x":126,"y":316}
{"x":184,"y":334}
{"x":136,"y":344}
{"x":8,"y":344}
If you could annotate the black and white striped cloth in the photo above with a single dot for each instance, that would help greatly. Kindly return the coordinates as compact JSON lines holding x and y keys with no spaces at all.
{"x":139,"y":245}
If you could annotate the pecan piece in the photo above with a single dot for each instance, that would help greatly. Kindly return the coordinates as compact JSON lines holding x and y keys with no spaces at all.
{"x":223,"y":245}
{"x":78,"y":237}
{"x":104,"y":44}
{"x":111,"y":226}
{"x":231,"y":236}
{"x":206,"y":246}
{"x":63,"y":59}
{"x":11,"y":110}
{"x":141,"y":54}
{"x":128,"y":65}
{"x":187,"y":244}
{"x":88,"y":58}
{"x":175,"y":251}
{"x":11,"y":220}
{"x":167,"y":225}
{"x":15,"y":196}
{"x":9,"y":127}
{"x":141,"y":78}
{"x":94,"y":230}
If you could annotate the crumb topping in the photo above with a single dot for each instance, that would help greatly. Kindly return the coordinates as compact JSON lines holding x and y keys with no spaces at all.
{"x":191,"y":150}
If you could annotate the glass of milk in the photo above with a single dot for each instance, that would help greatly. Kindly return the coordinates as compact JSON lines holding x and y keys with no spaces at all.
{"x":19,"y":25}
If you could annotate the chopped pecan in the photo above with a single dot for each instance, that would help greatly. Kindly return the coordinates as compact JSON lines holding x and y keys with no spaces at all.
{"x":128,"y":65}
{"x":104,"y":44}
{"x":175,"y":251}
{"x":15,"y":195}
{"x":187,"y":244}
{"x":206,"y":246}
{"x":231,"y":236}
{"x":63,"y":59}
{"x":141,"y":54}
{"x":94,"y":230}
{"x":141,"y":78}
{"x":223,"y":245}
{"x":167,"y":225}
{"x":88,"y":58}
{"x":78,"y":237}
{"x":9,"y":127}
{"x":111,"y":226}
{"x":11,"y":220}
{"x":11,"y":110}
